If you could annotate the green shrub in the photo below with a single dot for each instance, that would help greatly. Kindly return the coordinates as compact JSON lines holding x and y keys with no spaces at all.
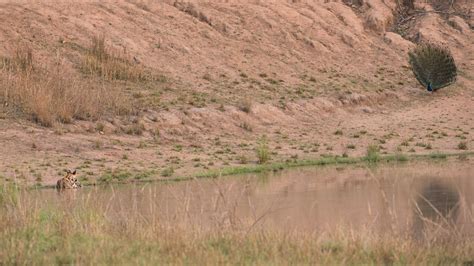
{"x":263,"y":151}
{"x":167,"y":172}
{"x":373,"y":153}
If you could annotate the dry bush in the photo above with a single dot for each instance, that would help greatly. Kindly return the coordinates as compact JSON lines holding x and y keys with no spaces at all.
{"x":408,"y":4}
{"x":21,"y":61}
{"x":447,"y":8}
{"x":353,"y":3}
{"x":51,"y":94}
{"x":110,"y":64}
{"x":404,"y":9}
{"x":442,"y":5}
{"x":135,"y":128}
{"x":192,"y":10}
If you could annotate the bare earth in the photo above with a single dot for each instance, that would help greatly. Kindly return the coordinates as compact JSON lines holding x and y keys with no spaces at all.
{"x":319,"y":78}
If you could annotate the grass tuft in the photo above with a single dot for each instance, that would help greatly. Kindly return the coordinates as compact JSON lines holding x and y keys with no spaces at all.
{"x":167,"y":172}
{"x":263,"y":151}
{"x":245,"y":106}
{"x":462,"y":145}
{"x":372,"y":155}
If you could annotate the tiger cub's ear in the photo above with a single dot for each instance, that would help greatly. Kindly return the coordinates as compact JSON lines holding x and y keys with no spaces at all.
{"x":74,"y":172}
{"x":68,"y":171}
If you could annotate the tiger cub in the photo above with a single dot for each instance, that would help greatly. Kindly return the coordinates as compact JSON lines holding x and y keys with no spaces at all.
{"x":69,"y":181}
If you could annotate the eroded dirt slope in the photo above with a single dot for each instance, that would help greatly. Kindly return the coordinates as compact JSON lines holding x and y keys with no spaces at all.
{"x":239,"y":47}
{"x":306,"y":69}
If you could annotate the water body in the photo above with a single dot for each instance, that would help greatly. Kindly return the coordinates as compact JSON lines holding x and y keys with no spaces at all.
{"x":408,"y":198}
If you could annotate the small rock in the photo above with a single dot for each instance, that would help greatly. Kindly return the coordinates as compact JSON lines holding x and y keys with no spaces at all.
{"x":367,"y":110}
{"x":397,"y":41}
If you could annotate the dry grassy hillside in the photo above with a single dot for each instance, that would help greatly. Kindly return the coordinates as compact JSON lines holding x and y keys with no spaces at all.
{"x":194,"y":84}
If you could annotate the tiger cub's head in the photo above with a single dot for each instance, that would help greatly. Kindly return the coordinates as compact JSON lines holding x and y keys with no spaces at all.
{"x":71,"y":179}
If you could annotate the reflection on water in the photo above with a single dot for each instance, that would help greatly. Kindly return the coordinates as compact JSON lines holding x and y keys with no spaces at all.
{"x":404,"y":198}
{"x":437,"y":205}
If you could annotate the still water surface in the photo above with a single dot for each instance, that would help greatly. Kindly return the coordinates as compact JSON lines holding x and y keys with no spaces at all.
{"x":405,"y":197}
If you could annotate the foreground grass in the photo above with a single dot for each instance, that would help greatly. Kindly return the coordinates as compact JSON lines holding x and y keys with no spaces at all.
{"x":84,"y":232}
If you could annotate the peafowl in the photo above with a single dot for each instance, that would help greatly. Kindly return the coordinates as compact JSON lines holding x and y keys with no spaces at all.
{"x":433,"y":66}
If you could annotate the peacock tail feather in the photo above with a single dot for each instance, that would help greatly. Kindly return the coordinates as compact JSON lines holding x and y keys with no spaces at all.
{"x":433,"y":65}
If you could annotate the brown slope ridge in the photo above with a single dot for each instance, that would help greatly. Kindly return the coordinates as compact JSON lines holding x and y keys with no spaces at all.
{"x":303,"y":65}
{"x":280,"y":39}
{"x":276,"y":38}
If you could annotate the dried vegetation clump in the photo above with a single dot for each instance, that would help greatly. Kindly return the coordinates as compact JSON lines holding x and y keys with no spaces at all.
{"x":111,"y":64}
{"x":50,"y":93}
{"x":191,"y":9}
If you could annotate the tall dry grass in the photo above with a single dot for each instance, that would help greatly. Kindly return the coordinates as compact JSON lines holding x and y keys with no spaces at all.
{"x":84,"y":230}
{"x":111,"y":64}
{"x":52,"y":93}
